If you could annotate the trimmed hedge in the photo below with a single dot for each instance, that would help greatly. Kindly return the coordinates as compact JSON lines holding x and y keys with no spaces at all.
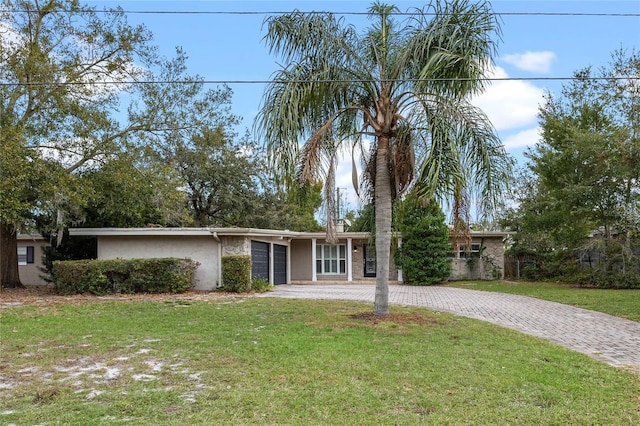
{"x":619,"y":280}
{"x":236,"y":273}
{"x":113,"y":276}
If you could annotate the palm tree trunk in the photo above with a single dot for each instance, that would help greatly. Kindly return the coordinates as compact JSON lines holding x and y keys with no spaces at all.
{"x":383,"y":226}
{"x":9,"y":277}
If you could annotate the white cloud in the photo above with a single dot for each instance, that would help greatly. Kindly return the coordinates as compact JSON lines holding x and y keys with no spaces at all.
{"x":531,"y":61}
{"x":510,"y":104}
{"x":9,"y":38}
{"x":100,"y":81}
{"x":523,"y":139}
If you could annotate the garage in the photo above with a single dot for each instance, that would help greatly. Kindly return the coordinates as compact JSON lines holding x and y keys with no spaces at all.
{"x":260,"y":259}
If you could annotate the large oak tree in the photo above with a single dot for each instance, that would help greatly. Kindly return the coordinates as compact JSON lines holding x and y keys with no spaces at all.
{"x":55,"y":58}
{"x":64,"y":68}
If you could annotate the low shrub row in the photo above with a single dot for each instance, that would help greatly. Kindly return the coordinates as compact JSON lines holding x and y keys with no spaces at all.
{"x":567,"y":270}
{"x":113,"y":276}
{"x":621,"y":280}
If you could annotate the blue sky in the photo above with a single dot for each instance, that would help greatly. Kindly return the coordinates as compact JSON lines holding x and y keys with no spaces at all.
{"x":230,"y":47}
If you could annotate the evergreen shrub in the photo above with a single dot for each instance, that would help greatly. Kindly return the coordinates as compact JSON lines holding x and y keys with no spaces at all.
{"x":425,"y":253}
{"x":620,"y":280}
{"x":113,"y":276}
{"x":236,"y":273}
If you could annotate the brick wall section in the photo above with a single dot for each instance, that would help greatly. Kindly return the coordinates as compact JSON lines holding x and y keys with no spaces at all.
{"x":489,"y":266}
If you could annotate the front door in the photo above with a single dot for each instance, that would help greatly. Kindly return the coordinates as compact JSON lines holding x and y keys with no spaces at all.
{"x":369,"y":261}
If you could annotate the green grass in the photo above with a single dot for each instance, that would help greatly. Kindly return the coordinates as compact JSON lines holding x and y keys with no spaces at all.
{"x":620,"y":303}
{"x":271,"y":361}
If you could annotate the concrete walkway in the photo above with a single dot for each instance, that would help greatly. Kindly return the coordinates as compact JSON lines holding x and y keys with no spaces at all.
{"x":613,"y":340}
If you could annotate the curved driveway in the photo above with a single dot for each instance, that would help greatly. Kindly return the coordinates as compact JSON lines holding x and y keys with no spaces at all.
{"x":613,"y":340}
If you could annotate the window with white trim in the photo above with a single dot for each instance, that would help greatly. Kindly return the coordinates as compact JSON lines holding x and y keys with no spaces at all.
{"x":25,"y":255}
{"x":331,"y":259}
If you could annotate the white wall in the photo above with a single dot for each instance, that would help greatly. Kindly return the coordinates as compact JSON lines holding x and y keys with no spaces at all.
{"x":202,"y":249}
{"x":31,"y":274}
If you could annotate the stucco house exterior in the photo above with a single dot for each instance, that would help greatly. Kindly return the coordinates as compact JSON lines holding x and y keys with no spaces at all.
{"x":282,"y":256}
{"x":30,"y":258}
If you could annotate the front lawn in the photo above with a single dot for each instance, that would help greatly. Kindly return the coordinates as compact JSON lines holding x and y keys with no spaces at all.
{"x":271,"y":361}
{"x":620,"y":303}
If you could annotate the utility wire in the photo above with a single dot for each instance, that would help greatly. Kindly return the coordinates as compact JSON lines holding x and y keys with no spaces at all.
{"x":211,"y":12}
{"x":233,"y":82}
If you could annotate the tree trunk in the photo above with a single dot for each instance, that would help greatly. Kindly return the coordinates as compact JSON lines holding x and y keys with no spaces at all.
{"x":383,"y":226}
{"x":9,"y":277}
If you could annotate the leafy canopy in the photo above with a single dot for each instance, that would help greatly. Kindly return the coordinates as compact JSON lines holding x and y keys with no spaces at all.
{"x":581,"y":193}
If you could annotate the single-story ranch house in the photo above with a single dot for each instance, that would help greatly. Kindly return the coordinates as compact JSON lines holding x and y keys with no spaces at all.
{"x":283,"y":257}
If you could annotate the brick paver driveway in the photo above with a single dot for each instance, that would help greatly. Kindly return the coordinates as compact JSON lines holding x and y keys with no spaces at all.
{"x":610,"y":339}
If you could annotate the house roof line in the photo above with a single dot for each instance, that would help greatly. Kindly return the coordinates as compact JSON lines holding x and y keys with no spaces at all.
{"x":29,"y":237}
{"x":257,"y":232}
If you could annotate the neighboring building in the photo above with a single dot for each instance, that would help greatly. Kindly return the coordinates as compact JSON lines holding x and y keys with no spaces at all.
{"x":482,"y":260}
{"x":30,"y":259}
{"x":282,"y":257}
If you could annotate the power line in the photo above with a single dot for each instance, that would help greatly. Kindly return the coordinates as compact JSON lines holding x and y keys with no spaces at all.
{"x":212,"y":12}
{"x":234,"y":82}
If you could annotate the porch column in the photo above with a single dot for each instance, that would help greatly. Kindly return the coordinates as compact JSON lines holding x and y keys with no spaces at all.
{"x":399,"y":270}
{"x":314,"y":274}
{"x":349,"y":261}
{"x":271,"y":268}
{"x":219,"y":260}
{"x":289,"y":261}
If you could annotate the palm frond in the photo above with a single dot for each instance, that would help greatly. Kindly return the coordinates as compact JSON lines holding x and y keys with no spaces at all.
{"x":449,"y":45}
{"x":403,"y":161}
{"x":462,"y":147}
{"x":354,"y":169}
{"x":330,"y":203}
{"x":312,"y":150}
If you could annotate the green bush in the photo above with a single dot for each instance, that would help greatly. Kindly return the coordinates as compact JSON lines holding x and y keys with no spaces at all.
{"x":236,"y":273}
{"x":113,"y":276}
{"x":424,"y":255}
{"x":621,"y":280}
{"x":260,"y":284}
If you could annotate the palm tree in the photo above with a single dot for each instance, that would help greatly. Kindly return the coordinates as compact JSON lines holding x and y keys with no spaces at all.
{"x":407,"y":87}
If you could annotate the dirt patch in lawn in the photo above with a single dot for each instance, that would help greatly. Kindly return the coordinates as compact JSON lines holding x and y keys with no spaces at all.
{"x":394,"y":318}
{"x":45,"y":295}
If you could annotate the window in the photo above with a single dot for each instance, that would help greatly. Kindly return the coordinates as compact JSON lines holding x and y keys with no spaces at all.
{"x":331,"y":259}
{"x":472,"y":250}
{"x":25,"y":255}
